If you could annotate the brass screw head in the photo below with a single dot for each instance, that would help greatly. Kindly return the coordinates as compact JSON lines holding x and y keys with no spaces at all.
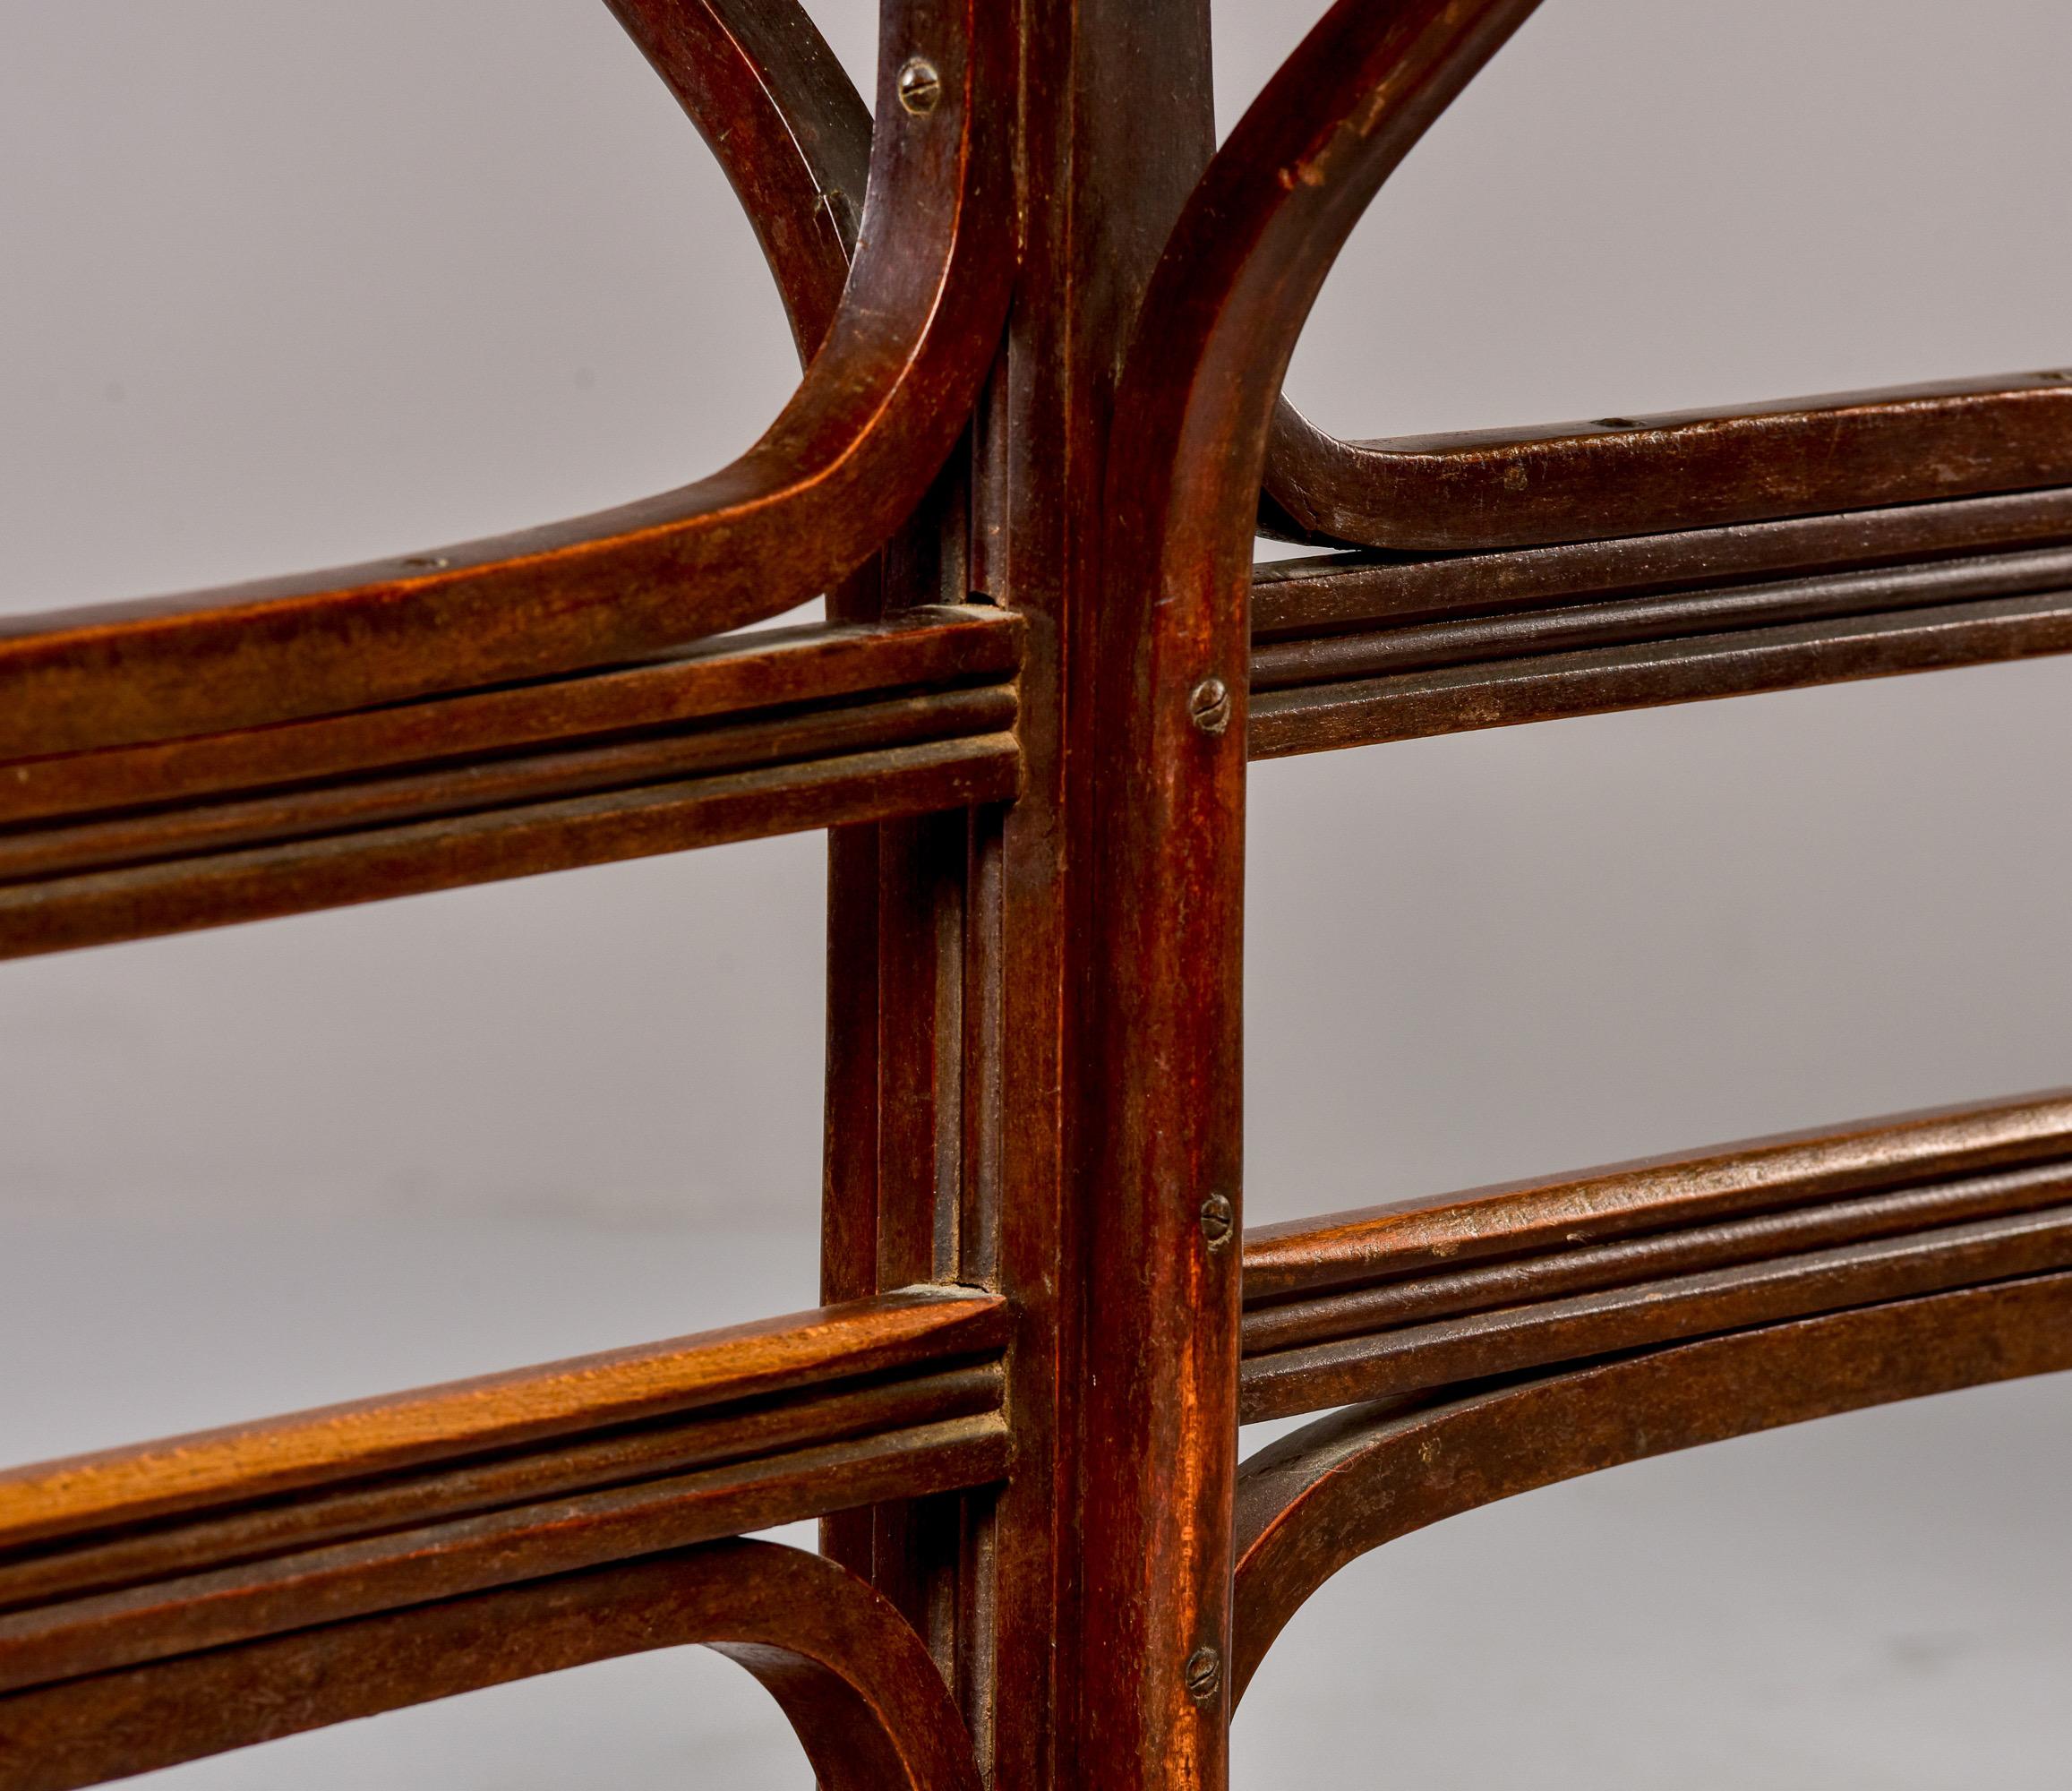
{"x":920,"y":88}
{"x":1218,"y":1221}
{"x":1204,"y":1674}
{"x":1209,"y":706}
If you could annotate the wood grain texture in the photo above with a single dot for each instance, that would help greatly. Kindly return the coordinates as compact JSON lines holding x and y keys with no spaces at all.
{"x":1682,"y":668}
{"x":793,"y":136}
{"x":1354,"y":652}
{"x":377,"y":864}
{"x":1324,"y":1495}
{"x":847,"y":462}
{"x":1430,"y":1294}
{"x":1879,"y":595}
{"x":1630,"y":475}
{"x":215,"y":1539}
{"x":855,"y":1683}
{"x":1044,"y":322}
{"x":210,"y":1468}
{"x":1363,"y":592}
{"x":272,"y":1594}
{"x":1167,"y":683}
{"x":759,"y":676}
{"x":1401,"y":1238}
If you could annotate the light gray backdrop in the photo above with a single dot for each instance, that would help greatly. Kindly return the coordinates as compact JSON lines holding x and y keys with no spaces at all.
{"x":285,"y":284}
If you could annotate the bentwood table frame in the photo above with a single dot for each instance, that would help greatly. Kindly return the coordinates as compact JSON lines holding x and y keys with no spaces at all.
{"x":1044,"y":321}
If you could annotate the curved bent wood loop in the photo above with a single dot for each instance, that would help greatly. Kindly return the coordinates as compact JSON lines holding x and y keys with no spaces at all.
{"x":1623,"y":476}
{"x":790,"y":133}
{"x":847,"y":462}
{"x":1167,"y":695}
{"x":1240,"y":271}
{"x":1326,"y":1494}
{"x":856,"y":1683}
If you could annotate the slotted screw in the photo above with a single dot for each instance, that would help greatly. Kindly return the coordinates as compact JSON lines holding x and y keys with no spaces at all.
{"x":920,"y":88}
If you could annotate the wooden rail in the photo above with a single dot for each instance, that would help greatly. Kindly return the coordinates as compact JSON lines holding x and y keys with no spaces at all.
{"x":1043,"y":320}
{"x":205,"y":1541}
{"x":1397,"y":1298}
{"x":754,"y":734}
{"x":1350,"y":651}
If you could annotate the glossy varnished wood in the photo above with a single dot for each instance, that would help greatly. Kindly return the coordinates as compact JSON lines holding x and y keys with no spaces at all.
{"x":1428,"y":1294}
{"x":1352,"y":650}
{"x":214,"y":1539}
{"x":1624,"y":476}
{"x":850,"y":455}
{"x":1043,"y":320}
{"x":859,"y":1690}
{"x":786,"y":1356}
{"x":1326,"y":1494}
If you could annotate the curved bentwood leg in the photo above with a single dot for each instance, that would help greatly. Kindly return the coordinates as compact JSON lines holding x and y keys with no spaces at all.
{"x":845,"y":463}
{"x":1327,"y":1494}
{"x":1239,"y":273}
{"x":1623,"y":476}
{"x":859,"y":1689}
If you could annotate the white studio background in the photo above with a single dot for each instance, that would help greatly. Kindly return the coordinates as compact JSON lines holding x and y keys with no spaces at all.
{"x":287,"y":284}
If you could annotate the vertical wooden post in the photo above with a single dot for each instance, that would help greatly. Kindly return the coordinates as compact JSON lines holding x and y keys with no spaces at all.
{"x":1096,"y":1167}
{"x":1110,"y":1565}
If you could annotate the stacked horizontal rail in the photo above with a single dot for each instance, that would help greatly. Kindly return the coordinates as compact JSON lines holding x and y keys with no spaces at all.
{"x":204,"y":1542}
{"x":745,"y":735}
{"x":1360,"y":648}
{"x":1399,"y":1300}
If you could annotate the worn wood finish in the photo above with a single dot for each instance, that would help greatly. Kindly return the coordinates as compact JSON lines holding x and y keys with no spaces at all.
{"x":1429,"y":1294}
{"x":852,"y":452}
{"x":1623,"y":475}
{"x":1364,"y":593}
{"x":1671,"y":668}
{"x":1043,"y":322}
{"x":1873,"y":596}
{"x":1512,"y":1220}
{"x":1351,"y":651}
{"x":201,"y":1472}
{"x":1346,"y":1484}
{"x":798,"y":673}
{"x":520,"y":840}
{"x":858,"y":1687}
{"x":793,"y":137}
{"x":758,"y":735}
{"x":211,"y":1539}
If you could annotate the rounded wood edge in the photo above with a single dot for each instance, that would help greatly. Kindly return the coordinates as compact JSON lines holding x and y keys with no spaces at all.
{"x":1325,"y":1495}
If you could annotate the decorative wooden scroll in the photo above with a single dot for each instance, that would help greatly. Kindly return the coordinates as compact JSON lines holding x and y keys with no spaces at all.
{"x":850,"y":457}
{"x":1044,"y":323}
